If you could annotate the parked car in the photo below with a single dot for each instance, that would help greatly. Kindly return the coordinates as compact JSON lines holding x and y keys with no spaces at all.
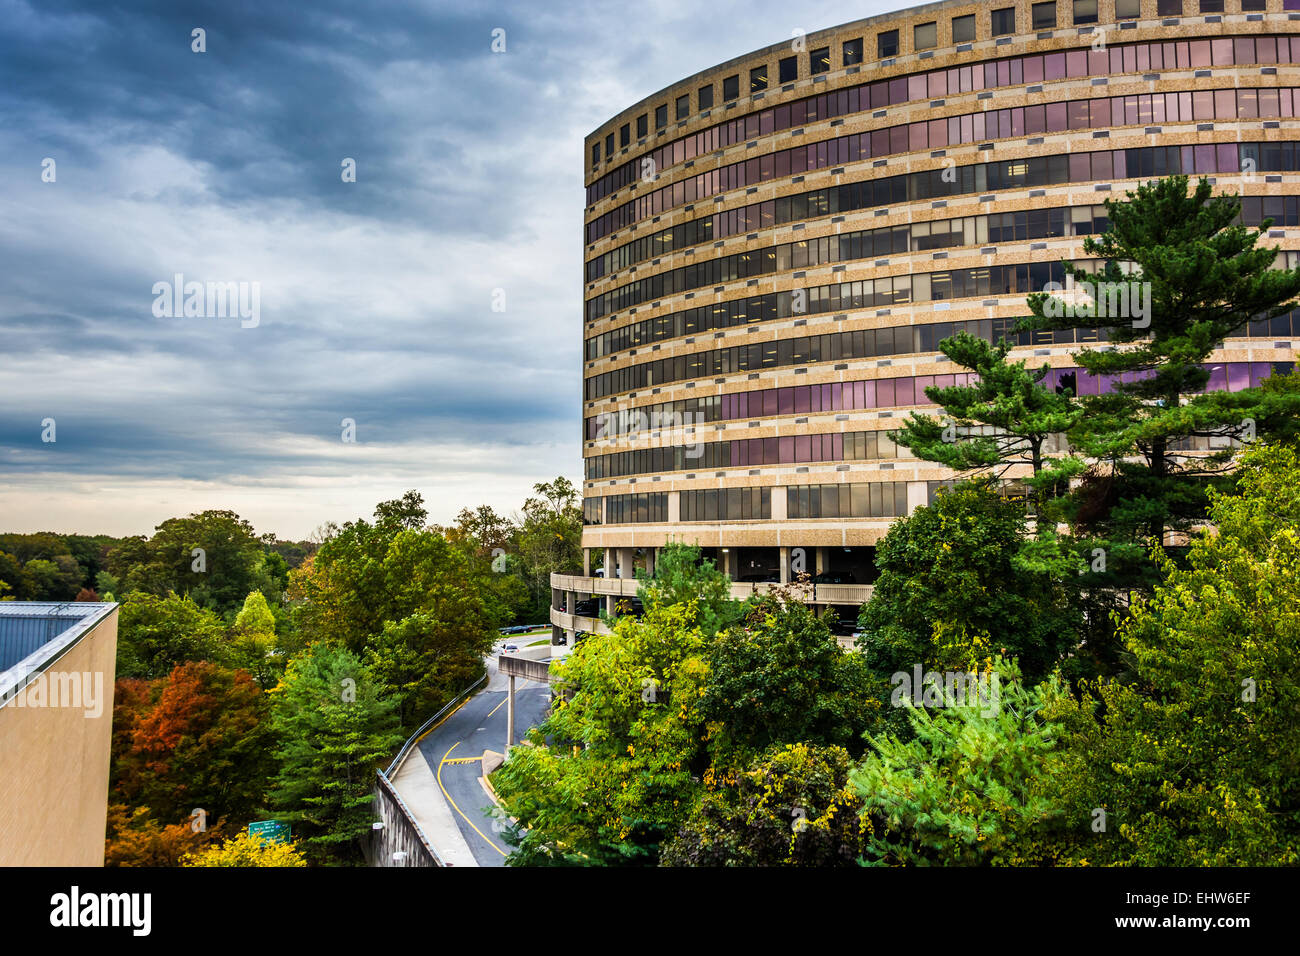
{"x":835,"y":577}
{"x":588,"y":608}
{"x":518,"y":629}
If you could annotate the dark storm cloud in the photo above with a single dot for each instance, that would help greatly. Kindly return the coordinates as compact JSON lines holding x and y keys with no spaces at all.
{"x":374,"y":295}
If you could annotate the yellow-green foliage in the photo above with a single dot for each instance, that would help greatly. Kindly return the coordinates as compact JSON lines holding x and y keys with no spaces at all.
{"x":246,"y":849}
{"x":1196,"y":765}
{"x":618,"y":779}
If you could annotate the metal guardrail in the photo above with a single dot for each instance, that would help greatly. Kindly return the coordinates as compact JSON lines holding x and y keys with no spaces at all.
{"x":424,"y":727}
{"x":413,"y":839}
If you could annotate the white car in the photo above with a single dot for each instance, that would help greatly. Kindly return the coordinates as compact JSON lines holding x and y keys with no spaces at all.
{"x":511,"y":648}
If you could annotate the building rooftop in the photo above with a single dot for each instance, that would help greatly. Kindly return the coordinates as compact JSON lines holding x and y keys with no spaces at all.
{"x":35,"y":634}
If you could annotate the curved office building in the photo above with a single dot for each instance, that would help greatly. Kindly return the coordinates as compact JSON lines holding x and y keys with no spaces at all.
{"x":774,"y":246}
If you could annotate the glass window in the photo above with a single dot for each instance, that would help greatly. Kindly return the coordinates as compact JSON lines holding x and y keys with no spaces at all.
{"x":852,"y":51}
{"x":730,"y":88}
{"x":661,"y":116}
{"x":595,"y":153}
{"x":819,"y":61}
{"x":963,"y":29}
{"x":925,"y":36}
{"x":1128,"y":9}
{"x":789,"y":69}
{"x":1003,"y":21}
{"x":1211,"y":6}
{"x":1044,"y":15}
{"x":887,"y":44}
{"x":758,"y":78}
{"x":683,"y":106}
{"x":1169,"y":8}
{"x":1085,"y":11}
{"x":1252,"y":4}
{"x":705,"y":97}
{"x":609,"y":145}
{"x":642,"y":125}
{"x":625,"y":134}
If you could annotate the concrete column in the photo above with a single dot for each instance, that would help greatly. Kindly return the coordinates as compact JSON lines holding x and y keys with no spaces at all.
{"x":569,"y":600}
{"x":586,"y":562}
{"x":822,"y":563}
{"x":510,"y":716}
{"x":609,"y":603}
{"x":651,"y":557}
{"x":609,"y":562}
{"x":785,"y":565}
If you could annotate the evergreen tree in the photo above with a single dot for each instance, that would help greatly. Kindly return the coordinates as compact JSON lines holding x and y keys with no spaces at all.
{"x":681,"y":577}
{"x":333,"y":731}
{"x":1191,"y":276}
{"x":1003,"y":419}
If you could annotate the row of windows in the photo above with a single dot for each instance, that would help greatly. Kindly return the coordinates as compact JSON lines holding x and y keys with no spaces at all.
{"x":830,"y":447}
{"x":846,"y":247}
{"x":1009,"y":174}
{"x":876,"y":393}
{"x":747,"y":453}
{"x":648,"y":507}
{"x":876,"y":445}
{"x":868,"y":499}
{"x":1283,"y":210}
{"x":1076,"y":167}
{"x":868,"y":244}
{"x":768,"y":402}
{"x":1015,"y":279}
{"x":1097,"y":113}
{"x":726,"y":504}
{"x":935,"y":84}
{"x":919,"y":237}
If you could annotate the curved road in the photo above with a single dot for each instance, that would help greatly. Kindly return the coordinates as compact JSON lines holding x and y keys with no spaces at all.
{"x":454,"y":752}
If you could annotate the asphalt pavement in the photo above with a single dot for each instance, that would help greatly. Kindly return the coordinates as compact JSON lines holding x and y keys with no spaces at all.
{"x":454,"y":752}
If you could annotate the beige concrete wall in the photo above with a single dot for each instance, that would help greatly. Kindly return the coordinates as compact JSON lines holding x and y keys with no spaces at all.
{"x":54,"y":765}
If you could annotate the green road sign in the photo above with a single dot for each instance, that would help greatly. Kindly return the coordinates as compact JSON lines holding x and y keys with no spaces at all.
{"x":272,"y":831}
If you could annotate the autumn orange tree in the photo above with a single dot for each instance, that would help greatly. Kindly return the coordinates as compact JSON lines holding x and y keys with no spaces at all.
{"x":196,"y":739}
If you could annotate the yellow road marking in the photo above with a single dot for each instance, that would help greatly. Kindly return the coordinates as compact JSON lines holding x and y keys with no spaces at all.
{"x":458,"y":809}
{"x":498,"y":706}
{"x":463,"y":760}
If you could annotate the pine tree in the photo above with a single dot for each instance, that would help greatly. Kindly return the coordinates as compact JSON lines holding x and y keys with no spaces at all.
{"x":334,"y":730}
{"x":1190,"y":276}
{"x":1005,"y":418}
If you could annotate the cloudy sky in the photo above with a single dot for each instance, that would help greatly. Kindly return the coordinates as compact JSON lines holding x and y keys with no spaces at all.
{"x":375,"y":296}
